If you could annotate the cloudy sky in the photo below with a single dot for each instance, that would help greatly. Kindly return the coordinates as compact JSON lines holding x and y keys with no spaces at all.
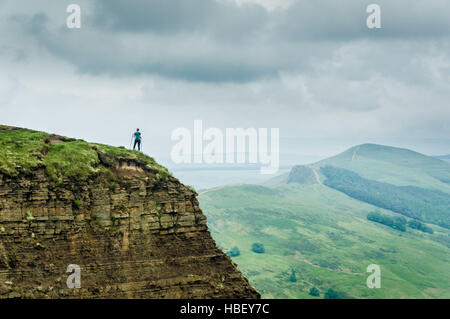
{"x":312,"y":69}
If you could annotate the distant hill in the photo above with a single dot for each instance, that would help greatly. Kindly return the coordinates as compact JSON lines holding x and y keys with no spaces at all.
{"x":314,"y":222}
{"x":401,"y":180}
{"x":392,"y":165}
{"x":396,"y":165}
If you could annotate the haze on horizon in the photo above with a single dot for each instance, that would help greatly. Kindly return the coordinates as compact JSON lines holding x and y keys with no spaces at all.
{"x":314,"y":71}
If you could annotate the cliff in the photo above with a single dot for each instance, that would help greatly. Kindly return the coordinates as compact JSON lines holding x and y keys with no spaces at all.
{"x":134,"y":229}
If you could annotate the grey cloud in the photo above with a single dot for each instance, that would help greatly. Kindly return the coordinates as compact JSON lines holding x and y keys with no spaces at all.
{"x":346,"y":20}
{"x":188,"y":57}
{"x":180,"y":16}
{"x":303,"y":20}
{"x":218,"y":41}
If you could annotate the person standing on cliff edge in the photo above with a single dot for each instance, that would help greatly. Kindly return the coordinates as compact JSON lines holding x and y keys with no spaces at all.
{"x":137,"y":139}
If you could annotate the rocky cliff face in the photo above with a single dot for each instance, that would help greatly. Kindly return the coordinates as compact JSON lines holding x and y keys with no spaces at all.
{"x":134,"y":230}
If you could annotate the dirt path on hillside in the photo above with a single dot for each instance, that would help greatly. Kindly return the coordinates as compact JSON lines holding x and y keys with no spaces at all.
{"x":354,"y":153}
{"x":317,"y":176}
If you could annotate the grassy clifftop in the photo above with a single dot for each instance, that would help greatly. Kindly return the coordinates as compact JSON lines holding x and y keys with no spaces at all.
{"x":23,"y":151}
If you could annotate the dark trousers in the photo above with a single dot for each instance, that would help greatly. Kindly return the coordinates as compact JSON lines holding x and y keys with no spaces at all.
{"x":138,"y":142}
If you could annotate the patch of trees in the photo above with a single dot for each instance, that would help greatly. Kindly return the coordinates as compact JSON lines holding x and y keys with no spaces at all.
{"x":258,"y":248}
{"x":398,"y":223}
{"x":415,"y":224}
{"x":234,"y":252}
{"x":427,"y":205}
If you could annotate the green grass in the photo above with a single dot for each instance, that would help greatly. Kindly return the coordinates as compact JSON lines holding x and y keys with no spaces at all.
{"x":325,"y":237}
{"x":73,"y":160}
{"x":22,"y":151}
{"x":121,"y":152}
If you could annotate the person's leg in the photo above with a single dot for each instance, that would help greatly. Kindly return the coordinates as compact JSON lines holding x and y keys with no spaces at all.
{"x":134,"y":146}
{"x":139,"y":145}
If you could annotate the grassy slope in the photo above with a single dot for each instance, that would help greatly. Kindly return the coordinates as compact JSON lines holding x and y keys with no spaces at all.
{"x":325,"y":236}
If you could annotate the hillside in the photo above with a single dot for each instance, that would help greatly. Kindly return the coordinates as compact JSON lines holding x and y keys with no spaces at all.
{"x":133,"y":229}
{"x":314,"y":222}
{"x":444,"y":157}
{"x":393,"y":165}
{"x":397,"y":166}
{"x":422,"y":204}
{"x":400,"y":180}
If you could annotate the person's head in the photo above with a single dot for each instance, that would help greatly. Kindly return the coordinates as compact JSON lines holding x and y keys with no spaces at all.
{"x":137,"y":130}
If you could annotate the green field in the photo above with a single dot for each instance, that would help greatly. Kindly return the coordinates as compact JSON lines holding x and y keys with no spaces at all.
{"x":325,"y":237}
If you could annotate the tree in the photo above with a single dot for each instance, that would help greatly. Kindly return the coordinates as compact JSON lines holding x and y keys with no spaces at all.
{"x":234,"y":252}
{"x":258,"y":248}
{"x":292,"y":277}
{"x":314,"y":292}
{"x":332,"y":294}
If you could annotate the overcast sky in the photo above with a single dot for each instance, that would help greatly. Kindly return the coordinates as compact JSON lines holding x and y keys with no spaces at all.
{"x":311,"y":68}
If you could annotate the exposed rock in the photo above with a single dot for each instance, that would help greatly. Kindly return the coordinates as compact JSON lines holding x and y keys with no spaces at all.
{"x":135,"y":230}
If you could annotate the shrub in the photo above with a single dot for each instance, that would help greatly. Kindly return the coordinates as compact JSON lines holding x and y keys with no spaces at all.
{"x":332,"y":294}
{"x":234,"y":252}
{"x":292,"y":277}
{"x":30,"y":216}
{"x":314,"y":292}
{"x":76,"y":205}
{"x":258,"y":248}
